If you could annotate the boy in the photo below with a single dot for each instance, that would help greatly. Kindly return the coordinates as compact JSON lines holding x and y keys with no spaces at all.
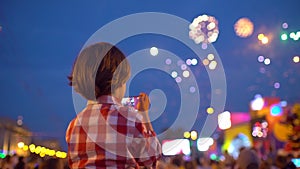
{"x":106,"y":134}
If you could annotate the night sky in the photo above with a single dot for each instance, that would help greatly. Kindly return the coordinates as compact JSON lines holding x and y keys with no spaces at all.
{"x":40,"y":40}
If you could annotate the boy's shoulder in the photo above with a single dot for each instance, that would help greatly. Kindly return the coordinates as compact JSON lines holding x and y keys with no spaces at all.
{"x":129,"y":112}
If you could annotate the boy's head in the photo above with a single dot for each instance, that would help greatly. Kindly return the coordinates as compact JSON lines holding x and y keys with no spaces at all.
{"x":99,"y":70}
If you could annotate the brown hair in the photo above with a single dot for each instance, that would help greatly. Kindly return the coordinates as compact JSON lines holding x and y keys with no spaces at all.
{"x":98,"y":70}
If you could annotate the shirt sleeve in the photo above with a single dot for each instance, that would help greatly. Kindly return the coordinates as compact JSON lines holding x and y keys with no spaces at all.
{"x":145,"y":146}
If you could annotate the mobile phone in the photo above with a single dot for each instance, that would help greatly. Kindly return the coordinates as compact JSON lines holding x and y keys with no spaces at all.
{"x":130,"y":101}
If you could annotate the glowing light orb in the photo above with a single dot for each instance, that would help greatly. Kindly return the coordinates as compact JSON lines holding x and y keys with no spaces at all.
{"x":285,"y":25}
{"x":296,"y":59}
{"x":188,"y":61}
{"x":261,"y":58}
{"x":210,"y":110}
{"x":284,"y":36}
{"x":192,"y":89}
{"x":260,"y":36}
{"x":194,"y":61}
{"x":265,"y":40}
{"x":213,"y":157}
{"x":267,"y":61}
{"x":183,"y":67}
{"x":21,"y":144}
{"x":25,"y":148}
{"x":210,"y":56}
{"x":204,"y":46}
{"x":276,"y":110}
{"x":292,"y":35}
{"x":178,"y":79}
{"x":154,"y":51}
{"x":174,"y":74}
{"x":283,"y":103}
{"x":212,"y":65}
{"x":168,"y":61}
{"x":257,"y":104}
{"x":194,"y":135}
{"x":205,"y":62}
{"x":186,"y":73}
{"x":277,"y":85}
{"x":244,"y":27}
{"x":186,"y":134}
{"x":204,"y":29}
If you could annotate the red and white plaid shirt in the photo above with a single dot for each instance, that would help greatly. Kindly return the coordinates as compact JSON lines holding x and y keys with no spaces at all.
{"x":108,"y":135}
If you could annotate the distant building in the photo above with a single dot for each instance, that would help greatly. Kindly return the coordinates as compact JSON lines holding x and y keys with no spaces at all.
{"x":11,"y":134}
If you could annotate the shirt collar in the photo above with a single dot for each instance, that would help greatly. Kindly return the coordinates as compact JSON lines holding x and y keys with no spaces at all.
{"x":106,"y":99}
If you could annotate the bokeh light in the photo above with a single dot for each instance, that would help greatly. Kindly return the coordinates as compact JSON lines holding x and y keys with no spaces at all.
{"x":283,"y":103}
{"x":212,"y":65}
{"x":178,"y":79}
{"x":174,"y":147}
{"x":194,"y":61}
{"x":244,"y":27}
{"x":224,"y":120}
{"x":168,"y":61}
{"x":154,"y":51}
{"x":267,"y":61}
{"x":203,"y":144}
{"x":213,"y":157}
{"x":265,"y":40}
{"x":187,"y":134}
{"x":204,"y":46}
{"x":292,"y":35}
{"x":285,"y":25}
{"x":296,"y":59}
{"x":205,"y":62}
{"x":188,"y":61}
{"x":174,"y":74}
{"x":276,"y":110}
{"x":260,"y":36}
{"x":25,"y":148}
{"x":21,"y":144}
{"x":204,"y":29}
{"x":295,"y":35}
{"x":210,"y":56}
{"x":183,"y":67}
{"x":258,"y":103}
{"x":41,"y":151}
{"x":186,"y":73}
{"x":210,"y":110}
{"x":284,"y":36}
{"x":261,"y":58}
{"x":194,"y":135}
{"x":276,"y":85}
{"x":192,"y":89}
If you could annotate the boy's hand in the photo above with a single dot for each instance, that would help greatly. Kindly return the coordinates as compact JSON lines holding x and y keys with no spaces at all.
{"x":143,"y":103}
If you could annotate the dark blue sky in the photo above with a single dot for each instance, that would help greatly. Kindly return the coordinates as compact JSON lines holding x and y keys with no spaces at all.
{"x":40,"y":40}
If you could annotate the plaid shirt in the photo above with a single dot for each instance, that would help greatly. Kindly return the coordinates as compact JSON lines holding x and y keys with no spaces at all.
{"x":108,"y":135}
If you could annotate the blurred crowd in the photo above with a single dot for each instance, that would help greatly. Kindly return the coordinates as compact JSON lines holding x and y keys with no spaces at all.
{"x":32,"y":162}
{"x":247,"y":159}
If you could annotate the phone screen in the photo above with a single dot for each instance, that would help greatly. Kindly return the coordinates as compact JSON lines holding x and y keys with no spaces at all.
{"x":130,"y":101}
